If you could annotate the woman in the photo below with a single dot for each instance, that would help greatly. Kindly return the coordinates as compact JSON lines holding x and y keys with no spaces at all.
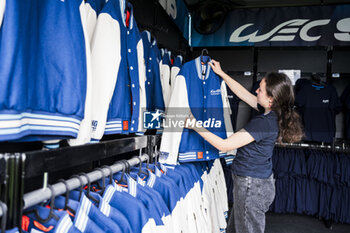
{"x":254,"y":185}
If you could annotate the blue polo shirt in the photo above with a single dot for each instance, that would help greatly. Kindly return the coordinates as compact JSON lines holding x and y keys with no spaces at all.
{"x":255,"y":158}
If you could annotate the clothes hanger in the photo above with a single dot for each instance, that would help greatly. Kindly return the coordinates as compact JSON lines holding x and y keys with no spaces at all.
{"x":147,"y":162}
{"x":110,"y":174}
{"x":140,"y":167}
{"x":4,"y":216}
{"x":204,"y":53}
{"x":156,"y":155}
{"x":140,"y":164}
{"x":122,"y":180}
{"x":103,"y":188}
{"x":51,"y":213}
{"x":66,"y":206}
{"x":88,"y":189}
{"x":81,"y":185}
{"x":316,"y":79}
{"x":128,"y":166}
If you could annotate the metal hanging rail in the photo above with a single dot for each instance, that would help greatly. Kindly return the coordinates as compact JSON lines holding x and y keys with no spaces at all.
{"x":41,"y":195}
{"x":345,"y":148}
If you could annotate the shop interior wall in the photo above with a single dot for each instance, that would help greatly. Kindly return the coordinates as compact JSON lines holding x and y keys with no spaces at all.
{"x":259,"y":60}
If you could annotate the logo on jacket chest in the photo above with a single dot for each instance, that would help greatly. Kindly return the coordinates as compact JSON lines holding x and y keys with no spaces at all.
{"x":215,"y":92}
{"x":325,"y":101}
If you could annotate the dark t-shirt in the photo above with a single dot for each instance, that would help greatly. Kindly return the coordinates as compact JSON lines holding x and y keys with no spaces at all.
{"x":318,"y":105}
{"x":255,"y":158}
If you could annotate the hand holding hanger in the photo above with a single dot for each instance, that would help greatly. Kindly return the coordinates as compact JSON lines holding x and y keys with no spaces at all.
{"x":216,"y":67}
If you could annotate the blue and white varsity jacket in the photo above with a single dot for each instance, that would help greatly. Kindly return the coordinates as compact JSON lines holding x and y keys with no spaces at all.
{"x":43,"y":69}
{"x":154,"y":93}
{"x":199,"y":90}
{"x":61,"y":224}
{"x":165,"y":67}
{"x":92,"y":10}
{"x":2,"y":10}
{"x":175,"y":69}
{"x":118,"y":73}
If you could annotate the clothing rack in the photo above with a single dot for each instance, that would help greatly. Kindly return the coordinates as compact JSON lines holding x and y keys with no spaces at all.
{"x":11,"y":166}
{"x":334,"y":147}
{"x":15,"y":168}
{"x":177,"y":51}
{"x":40,"y":195}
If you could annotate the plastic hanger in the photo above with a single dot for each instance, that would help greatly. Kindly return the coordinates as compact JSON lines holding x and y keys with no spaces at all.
{"x":204,"y":53}
{"x":156,"y":155}
{"x":66,"y":207}
{"x":4,"y":216}
{"x":110,"y":174}
{"x":140,"y":164}
{"x":51,"y":213}
{"x":140,"y":167}
{"x":88,"y":189}
{"x":316,"y":79}
{"x":81,"y":185}
{"x":127,"y":170}
{"x":103,"y":188}
{"x":122,"y":180}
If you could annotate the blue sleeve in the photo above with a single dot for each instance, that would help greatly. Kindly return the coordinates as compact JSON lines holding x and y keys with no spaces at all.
{"x":259,"y":128}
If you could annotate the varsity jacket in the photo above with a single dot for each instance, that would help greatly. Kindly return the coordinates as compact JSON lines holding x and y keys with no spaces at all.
{"x":93,"y":9}
{"x":61,"y":225}
{"x":92,"y":212}
{"x":43,"y":69}
{"x":200,"y":91}
{"x":132,"y":208}
{"x":170,"y":193}
{"x":118,"y":72}
{"x":175,"y":69}
{"x":84,"y":134}
{"x":165,"y":67}
{"x":2,"y":10}
{"x":154,"y":94}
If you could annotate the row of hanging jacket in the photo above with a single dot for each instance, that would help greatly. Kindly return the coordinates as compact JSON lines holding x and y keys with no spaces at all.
{"x":199,"y":90}
{"x":77,"y":71}
{"x":312,"y":182}
{"x":149,"y":198}
{"x":318,"y":105}
{"x":169,"y":68}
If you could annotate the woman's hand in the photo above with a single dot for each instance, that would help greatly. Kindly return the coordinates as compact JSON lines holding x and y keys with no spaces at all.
{"x":215,"y":65}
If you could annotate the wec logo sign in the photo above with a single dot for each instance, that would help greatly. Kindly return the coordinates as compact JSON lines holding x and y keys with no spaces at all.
{"x":288,"y":30}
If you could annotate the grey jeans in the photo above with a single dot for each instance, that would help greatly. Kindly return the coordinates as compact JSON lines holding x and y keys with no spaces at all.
{"x":252,"y":198}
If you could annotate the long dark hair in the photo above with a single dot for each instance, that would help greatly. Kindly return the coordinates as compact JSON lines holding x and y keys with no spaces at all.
{"x":279,"y":86}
